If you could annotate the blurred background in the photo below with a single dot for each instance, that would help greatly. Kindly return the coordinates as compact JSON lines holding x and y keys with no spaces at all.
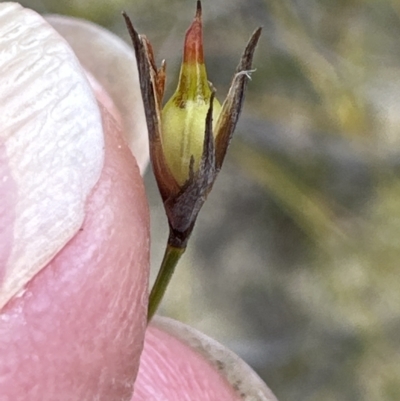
{"x":294,"y":263}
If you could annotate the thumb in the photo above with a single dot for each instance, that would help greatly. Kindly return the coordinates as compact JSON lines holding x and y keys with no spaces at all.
{"x":73,"y":227}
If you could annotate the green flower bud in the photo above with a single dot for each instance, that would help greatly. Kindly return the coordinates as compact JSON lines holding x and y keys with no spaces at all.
{"x":184,"y":115}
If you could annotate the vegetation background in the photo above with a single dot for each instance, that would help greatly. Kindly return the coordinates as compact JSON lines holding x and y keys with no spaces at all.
{"x":294,"y":263}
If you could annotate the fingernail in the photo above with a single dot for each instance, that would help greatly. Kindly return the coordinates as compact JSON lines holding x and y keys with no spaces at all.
{"x":112,"y":63}
{"x":244,"y":382}
{"x":51,"y":145}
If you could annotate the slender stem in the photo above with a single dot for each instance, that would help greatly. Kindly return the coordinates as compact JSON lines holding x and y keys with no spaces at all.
{"x":171,"y":257}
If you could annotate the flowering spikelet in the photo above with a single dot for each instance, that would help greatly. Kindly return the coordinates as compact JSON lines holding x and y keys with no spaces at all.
{"x":190,"y":136}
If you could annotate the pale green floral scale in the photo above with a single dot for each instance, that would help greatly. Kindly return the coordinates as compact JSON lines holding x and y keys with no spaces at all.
{"x":183,"y":121}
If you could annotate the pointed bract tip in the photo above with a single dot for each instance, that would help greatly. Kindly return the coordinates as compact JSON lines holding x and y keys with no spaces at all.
{"x":193,"y":49}
{"x":198,"y":9}
{"x":257,"y":32}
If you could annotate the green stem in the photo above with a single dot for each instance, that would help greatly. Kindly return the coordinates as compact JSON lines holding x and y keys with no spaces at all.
{"x":171,"y":257}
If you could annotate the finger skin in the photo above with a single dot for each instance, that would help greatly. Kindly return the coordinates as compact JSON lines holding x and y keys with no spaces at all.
{"x":170,"y":371}
{"x":77,"y":330}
